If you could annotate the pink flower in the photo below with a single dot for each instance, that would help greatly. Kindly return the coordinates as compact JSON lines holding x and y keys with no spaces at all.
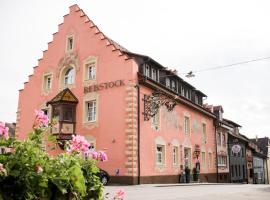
{"x":99,"y":155}
{"x":39,"y":169}
{"x":4,"y":130}
{"x":94,"y":155}
{"x":102,"y":156}
{"x":79,"y":143}
{"x":120,"y":194}
{"x":41,"y":119}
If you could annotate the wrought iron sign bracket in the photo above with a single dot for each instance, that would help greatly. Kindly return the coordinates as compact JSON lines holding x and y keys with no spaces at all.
{"x":153,"y":102}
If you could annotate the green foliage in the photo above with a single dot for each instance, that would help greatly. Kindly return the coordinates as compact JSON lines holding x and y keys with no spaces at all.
{"x":33,"y":174}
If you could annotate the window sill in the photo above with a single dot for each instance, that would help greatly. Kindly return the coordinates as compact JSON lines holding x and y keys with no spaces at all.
{"x":158,"y":165}
{"x":90,"y":125}
{"x":88,"y":82}
{"x":46,"y":92}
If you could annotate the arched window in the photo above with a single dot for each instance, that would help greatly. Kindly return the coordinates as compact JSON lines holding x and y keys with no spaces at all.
{"x":69,"y":76}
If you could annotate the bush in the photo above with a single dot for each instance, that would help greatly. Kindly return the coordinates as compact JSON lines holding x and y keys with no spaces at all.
{"x":27,"y":171}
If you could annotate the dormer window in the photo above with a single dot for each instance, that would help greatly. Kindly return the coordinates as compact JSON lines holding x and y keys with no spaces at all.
{"x":168,"y":82}
{"x":220,"y":115}
{"x":147,"y":71}
{"x":154,"y":74}
{"x":70,"y":43}
{"x":173,"y":86}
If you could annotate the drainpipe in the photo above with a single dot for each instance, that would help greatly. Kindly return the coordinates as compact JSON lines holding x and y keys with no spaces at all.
{"x":139,"y":133}
{"x":216,"y":151}
{"x":229,"y":157}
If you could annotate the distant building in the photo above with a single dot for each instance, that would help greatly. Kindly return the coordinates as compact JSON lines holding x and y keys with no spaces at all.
{"x":222,"y":130}
{"x":262,"y":158}
{"x":237,"y":144}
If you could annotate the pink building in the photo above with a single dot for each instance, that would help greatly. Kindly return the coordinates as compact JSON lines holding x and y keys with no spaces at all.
{"x":151,"y":122}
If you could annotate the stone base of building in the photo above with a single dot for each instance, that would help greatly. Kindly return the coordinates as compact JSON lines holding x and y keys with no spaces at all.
{"x":130,"y":180}
{"x":208,"y":178}
{"x":223,"y":178}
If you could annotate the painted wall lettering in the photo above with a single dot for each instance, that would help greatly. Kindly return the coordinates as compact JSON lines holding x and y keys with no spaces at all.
{"x":102,"y":86}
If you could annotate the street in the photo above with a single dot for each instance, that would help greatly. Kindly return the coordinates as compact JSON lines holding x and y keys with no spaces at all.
{"x":193,"y":192}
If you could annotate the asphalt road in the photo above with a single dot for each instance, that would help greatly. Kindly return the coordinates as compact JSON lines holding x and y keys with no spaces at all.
{"x":193,"y":192}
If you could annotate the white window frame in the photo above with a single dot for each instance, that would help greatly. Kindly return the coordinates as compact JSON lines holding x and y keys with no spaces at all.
{"x":175,"y":155}
{"x":147,"y":70}
{"x":167,"y":80}
{"x":69,"y":79}
{"x":203,"y":157}
{"x":91,"y":67}
{"x":154,"y":74}
{"x":160,"y":154}
{"x":210,"y":160}
{"x":174,"y":85}
{"x":70,"y":46}
{"x":47,"y":86}
{"x":187,"y":125}
{"x":93,"y":112}
{"x":204,"y":133}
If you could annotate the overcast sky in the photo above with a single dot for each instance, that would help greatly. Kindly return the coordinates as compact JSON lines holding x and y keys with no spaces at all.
{"x":183,"y":35}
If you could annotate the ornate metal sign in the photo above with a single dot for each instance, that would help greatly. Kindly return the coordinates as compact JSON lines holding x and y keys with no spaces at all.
{"x":236,"y":148}
{"x":153,"y":102}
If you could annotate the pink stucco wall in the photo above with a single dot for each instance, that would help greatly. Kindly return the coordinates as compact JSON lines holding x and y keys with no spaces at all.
{"x":110,"y":67}
{"x":171,"y":129}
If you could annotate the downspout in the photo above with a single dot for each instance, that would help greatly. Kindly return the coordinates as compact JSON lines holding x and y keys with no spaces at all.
{"x":229,"y":156}
{"x":216,"y":151}
{"x":139,"y":133}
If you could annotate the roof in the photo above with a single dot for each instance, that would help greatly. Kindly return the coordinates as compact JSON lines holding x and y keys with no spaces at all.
{"x":64,"y":96}
{"x":232,"y":122}
{"x":217,"y":108}
{"x":262,"y":143}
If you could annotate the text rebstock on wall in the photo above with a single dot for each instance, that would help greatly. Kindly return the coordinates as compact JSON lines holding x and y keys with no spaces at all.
{"x":103,"y":86}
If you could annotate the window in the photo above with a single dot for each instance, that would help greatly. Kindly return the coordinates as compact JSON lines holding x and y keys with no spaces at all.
{"x":223,"y":139}
{"x":232,"y":170}
{"x":147,"y":71}
{"x":203,"y":160}
{"x":47,"y":84}
{"x":186,"y":125}
{"x":168,"y":82}
{"x":222,"y":161}
{"x":219,"y":138}
{"x":204,"y":133}
{"x":91,"y":107}
{"x":90,"y":71}
{"x":154,"y":74}
{"x":175,"y":155}
{"x":173,"y":86}
{"x":160,"y":155}
{"x":210,"y":158}
{"x":69,"y":76}
{"x":67,"y":113}
{"x":70,"y":43}
{"x":156,"y":121}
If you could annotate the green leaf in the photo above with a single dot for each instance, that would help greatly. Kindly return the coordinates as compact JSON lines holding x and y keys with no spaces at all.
{"x":77,"y":178}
